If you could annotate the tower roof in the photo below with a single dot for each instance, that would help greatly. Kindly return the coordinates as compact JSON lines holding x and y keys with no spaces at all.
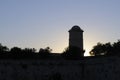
{"x":76,"y":29}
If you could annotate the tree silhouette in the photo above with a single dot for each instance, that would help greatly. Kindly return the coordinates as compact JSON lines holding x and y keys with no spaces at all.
{"x":16,"y":50}
{"x":3,"y":49}
{"x":29,"y":50}
{"x":97,"y":49}
{"x":46,"y":50}
{"x":116,"y":47}
{"x":44,"y":53}
{"x":106,"y":49}
{"x":18,"y":53}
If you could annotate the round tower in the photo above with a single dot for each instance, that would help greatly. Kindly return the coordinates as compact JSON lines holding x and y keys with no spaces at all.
{"x":76,"y":37}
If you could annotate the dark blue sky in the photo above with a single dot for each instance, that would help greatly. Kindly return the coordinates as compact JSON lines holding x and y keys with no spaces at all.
{"x":42,"y":23}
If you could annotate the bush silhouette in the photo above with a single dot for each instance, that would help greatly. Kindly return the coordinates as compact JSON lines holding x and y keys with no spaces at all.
{"x":73,"y":52}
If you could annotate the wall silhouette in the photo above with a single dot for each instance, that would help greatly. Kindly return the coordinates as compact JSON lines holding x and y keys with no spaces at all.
{"x":89,"y":68}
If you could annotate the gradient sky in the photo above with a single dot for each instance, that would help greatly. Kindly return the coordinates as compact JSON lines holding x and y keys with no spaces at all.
{"x":41,"y":23}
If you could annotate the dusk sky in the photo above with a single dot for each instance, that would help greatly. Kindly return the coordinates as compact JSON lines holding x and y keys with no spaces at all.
{"x":41,"y":23}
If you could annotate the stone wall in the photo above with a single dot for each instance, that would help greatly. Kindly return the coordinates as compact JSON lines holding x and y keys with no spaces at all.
{"x":105,"y":68}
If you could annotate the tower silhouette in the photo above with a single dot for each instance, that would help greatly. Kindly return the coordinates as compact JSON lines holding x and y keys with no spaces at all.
{"x":76,"y":37}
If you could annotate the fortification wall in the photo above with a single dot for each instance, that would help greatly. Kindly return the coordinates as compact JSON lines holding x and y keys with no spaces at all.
{"x":39,"y":70}
{"x":107,"y":68}
{"x":87,"y":69}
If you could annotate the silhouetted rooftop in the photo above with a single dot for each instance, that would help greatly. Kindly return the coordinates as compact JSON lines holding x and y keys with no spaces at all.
{"x":76,"y":28}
